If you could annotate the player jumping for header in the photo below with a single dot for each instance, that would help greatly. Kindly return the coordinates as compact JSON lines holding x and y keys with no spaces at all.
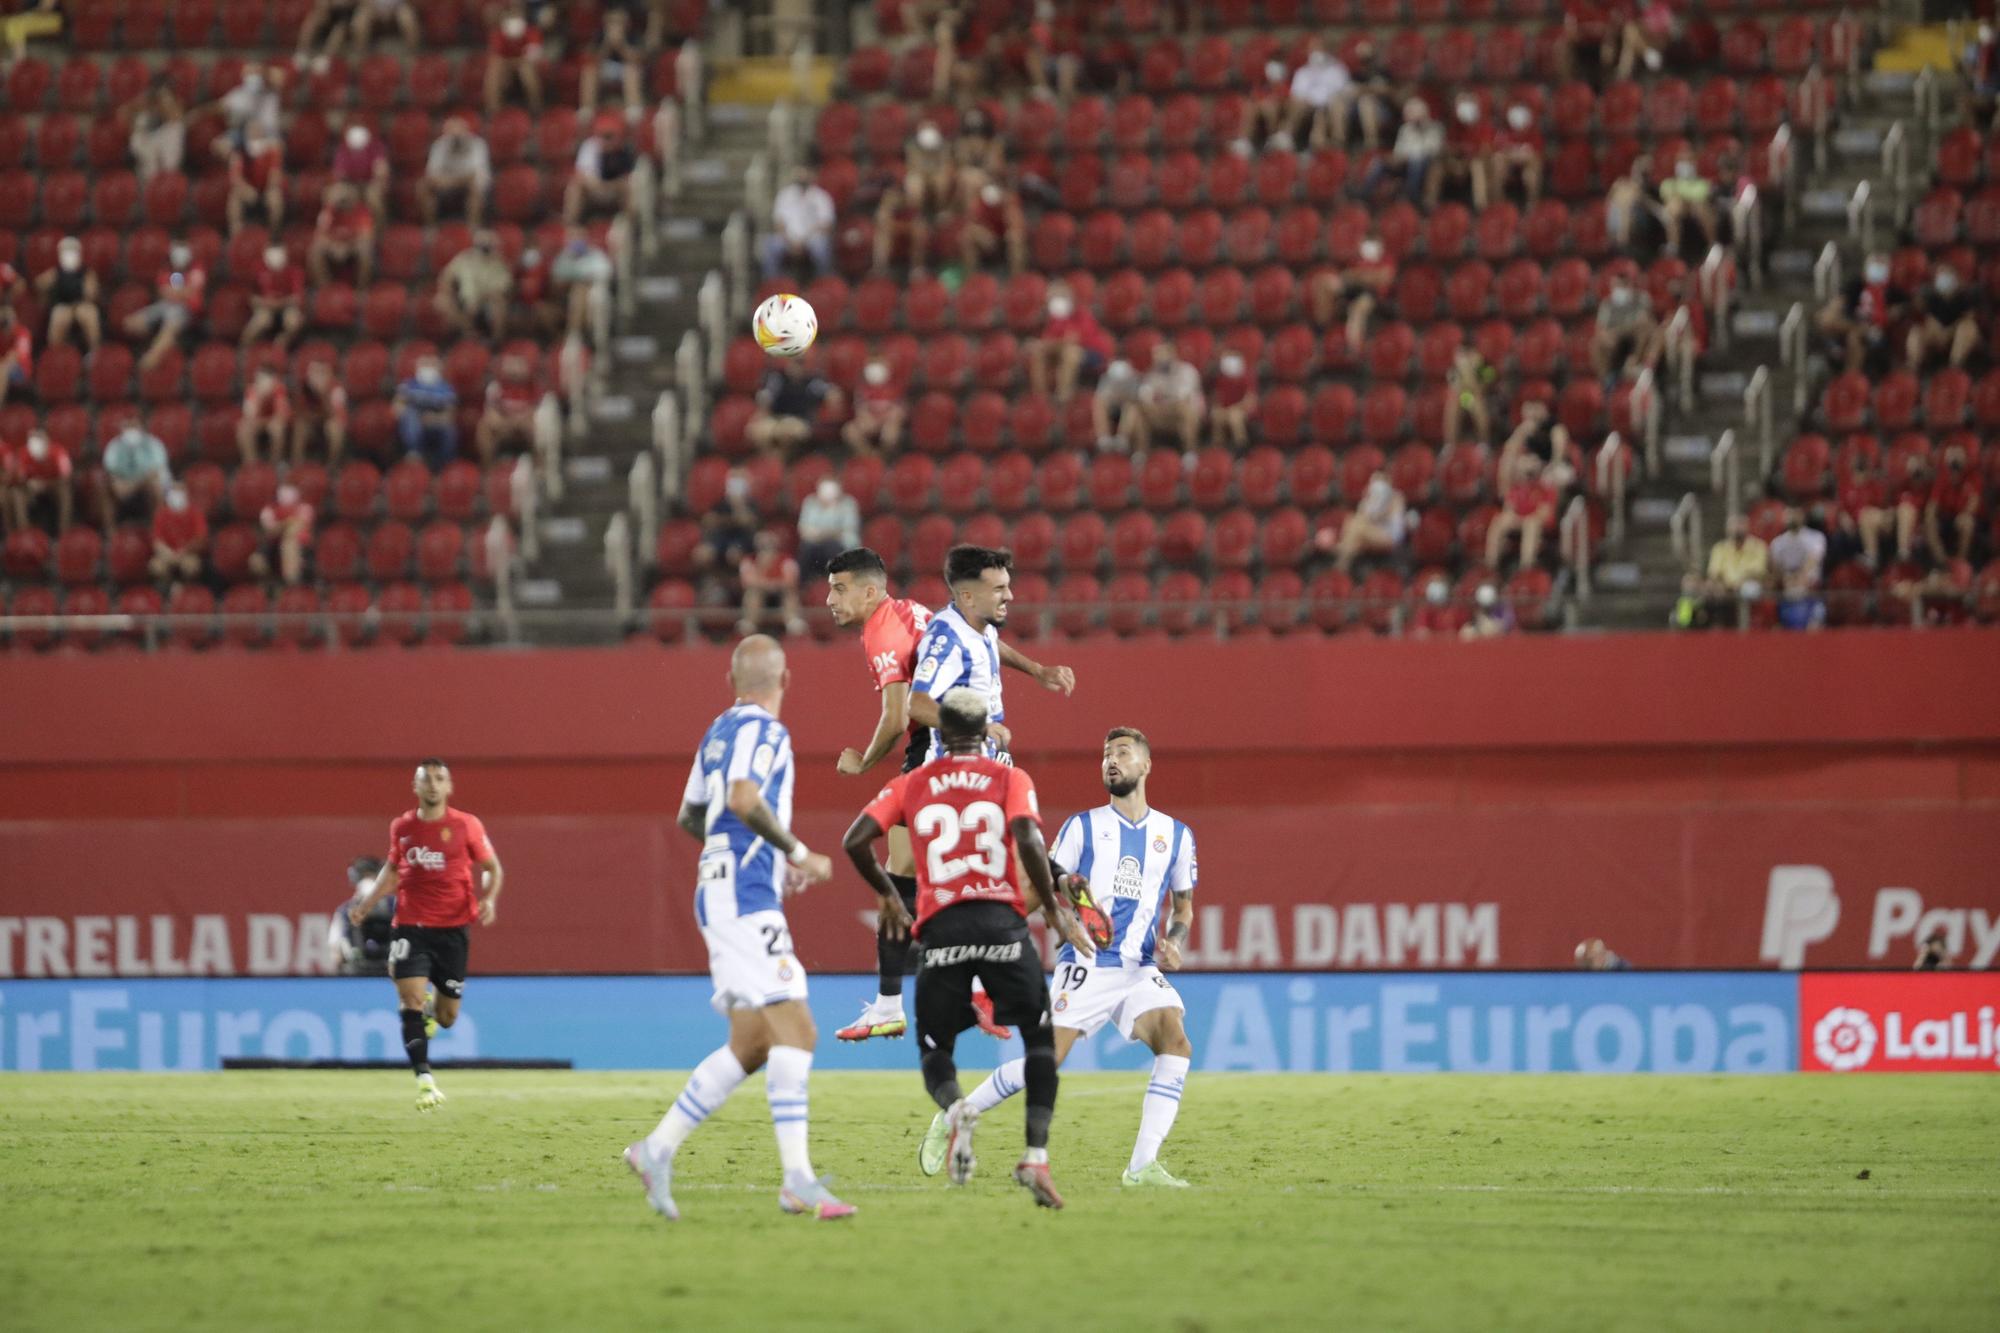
{"x":738,"y":804}
{"x":895,"y":632}
{"x":1132,"y":857}
{"x":973,"y":824}
{"x":436,"y":856}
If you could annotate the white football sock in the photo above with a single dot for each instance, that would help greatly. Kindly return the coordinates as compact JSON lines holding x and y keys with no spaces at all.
{"x":1001,"y":1084}
{"x":1163,"y":1102}
{"x":707,"y":1088}
{"x":889,"y":1006}
{"x":785,"y":1075}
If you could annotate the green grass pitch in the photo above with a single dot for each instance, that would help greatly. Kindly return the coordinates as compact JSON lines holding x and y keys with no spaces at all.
{"x":302,"y":1201}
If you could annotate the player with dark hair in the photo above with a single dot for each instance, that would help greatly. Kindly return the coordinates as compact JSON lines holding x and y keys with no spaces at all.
{"x":891,"y":629}
{"x":971,"y":820}
{"x":442,"y":868}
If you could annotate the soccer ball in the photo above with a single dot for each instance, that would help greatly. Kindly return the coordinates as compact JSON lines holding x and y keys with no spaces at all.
{"x":785,"y":325}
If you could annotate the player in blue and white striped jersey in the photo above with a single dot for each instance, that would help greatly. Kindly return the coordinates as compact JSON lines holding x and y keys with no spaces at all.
{"x":738,"y":803}
{"x":1137,"y":862}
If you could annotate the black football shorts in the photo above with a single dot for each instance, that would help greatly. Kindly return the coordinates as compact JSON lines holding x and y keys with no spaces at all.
{"x":437,"y":952}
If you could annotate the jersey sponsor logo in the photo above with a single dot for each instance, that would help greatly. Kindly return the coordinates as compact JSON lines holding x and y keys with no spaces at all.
{"x":1129,"y":880}
{"x":963,"y":781}
{"x":423,"y":858}
{"x":948,"y":954}
{"x":883,"y":662}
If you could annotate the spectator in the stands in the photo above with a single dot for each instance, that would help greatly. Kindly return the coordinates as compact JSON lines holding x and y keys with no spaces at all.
{"x":1588,"y":39}
{"x":1911,"y":501}
{"x":580,"y":268}
{"x":602,"y":180}
{"x":770,"y":580}
{"x":1798,"y":556}
{"x":1517,"y":154}
{"x":978,"y":146}
{"x":1626,"y":337}
{"x":899,"y":218}
{"x":1359,"y":288}
{"x":28,"y":20}
{"x":616,"y":61}
{"x":1644,"y":32}
{"x":508,"y":421}
{"x":1629,"y":199}
{"x":1376,"y":527}
{"x":17,"y":354}
{"x":1438,"y":617}
{"x":1072,"y":345}
{"x":1530,"y":512}
{"x":344,"y":234}
{"x":1492,"y":617}
{"x":1595,"y":955}
{"x":829,"y":523}
{"x":1686,"y":195}
{"x":287,"y":528}
{"x":277,"y":299}
{"x":1862,"y":512}
{"x":253,"y":109}
{"x":266,"y":418}
{"x":994,"y":224}
{"x":1115,"y":414}
{"x":537,"y":306}
{"x":1469,"y":155}
{"x":70,"y":293}
{"x":137,"y":473}
{"x":1374,"y":96}
{"x":1466,"y":385}
{"x":1414,"y":156}
{"x":1982,"y":71}
{"x":726,"y":532}
{"x":180,"y":539}
{"x":458,"y":167}
{"x":179,"y":295}
{"x":879,"y":412}
{"x":802,"y":218}
{"x":42,"y":483}
{"x":1268,"y":105}
{"x":1054,"y":54}
{"x":474,"y":287}
{"x":513,"y":56}
{"x":1319,"y":99}
{"x":13,"y":286}
{"x":382,"y":14}
{"x":789,"y":403}
{"x":1739,"y":567}
{"x":1170,"y":401}
{"x":1232,"y":401}
{"x":257,"y":183}
{"x":1857,"y":321}
{"x":1947,"y":320}
{"x":427,"y":414}
{"x":321,"y":412}
{"x":328,"y":25}
{"x":362,"y":163}
{"x":932,"y":188}
{"x":1538,"y":436}
{"x":1951,"y":516}
{"x":159,"y":131}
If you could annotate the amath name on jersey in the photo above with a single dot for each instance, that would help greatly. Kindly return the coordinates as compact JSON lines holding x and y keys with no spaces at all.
{"x":959,"y":781}
{"x":947,"y":954}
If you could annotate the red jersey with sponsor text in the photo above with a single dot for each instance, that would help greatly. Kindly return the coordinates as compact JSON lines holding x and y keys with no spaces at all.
{"x":959,"y":810}
{"x":437,"y":867}
{"x":890,"y":640}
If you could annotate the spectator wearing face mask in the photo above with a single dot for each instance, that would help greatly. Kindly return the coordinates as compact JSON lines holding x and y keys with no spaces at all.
{"x":287,"y":527}
{"x":513,"y":58}
{"x":427,"y":415}
{"x":459,"y":168}
{"x":344,"y":234}
{"x":932,"y":186}
{"x":180,"y":539}
{"x":136,"y":476}
{"x":580,"y":268}
{"x":1360,"y":288}
{"x":829,"y":523}
{"x":362,"y":164}
{"x":1170,"y":401}
{"x":277,"y":300}
{"x":1517,"y":154}
{"x":994,"y":224}
{"x":1492,"y":618}
{"x":1856,"y":321}
{"x":1072,"y":345}
{"x":266,"y":418}
{"x":257,"y":183}
{"x":789,"y":403}
{"x":536,"y":307}
{"x":1376,"y":527}
{"x":1951,"y":515}
{"x":1529,"y":513}
{"x":473,"y":289}
{"x":508,"y":421}
{"x":1687,"y":195}
{"x":1947,"y":320}
{"x":802,"y":218}
{"x":602,"y":179}
{"x":1470,"y":145}
{"x":254,"y":108}
{"x":1320,"y":97}
{"x":70,"y":293}
{"x":40,"y":483}
{"x":1624,"y":340}
{"x":1414,"y":155}
{"x":770,"y":579}
{"x":726,"y":532}
{"x":158,"y":138}
{"x":1798,"y":556}
{"x":877,"y":424}
{"x":1232,"y":401}
{"x":1437,"y":618}
{"x":1115,"y":414}
{"x":180,"y":294}
{"x":321,"y":411}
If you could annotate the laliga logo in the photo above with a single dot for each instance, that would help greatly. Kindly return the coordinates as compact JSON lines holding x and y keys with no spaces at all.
{"x":1844,"y":1039}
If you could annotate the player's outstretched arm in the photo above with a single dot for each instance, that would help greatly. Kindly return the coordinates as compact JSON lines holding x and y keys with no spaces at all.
{"x":894,"y":722}
{"x":1048,"y":677}
{"x":1034,"y":856}
{"x":859,"y":844}
{"x":385,"y":884}
{"x":747,"y":803}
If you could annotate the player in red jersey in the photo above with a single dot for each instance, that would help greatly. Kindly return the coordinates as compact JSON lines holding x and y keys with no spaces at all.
{"x":857,"y":593}
{"x":445,"y":876}
{"x":975,"y":829}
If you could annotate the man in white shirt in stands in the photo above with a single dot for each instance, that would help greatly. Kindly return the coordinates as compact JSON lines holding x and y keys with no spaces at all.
{"x":802,"y":226}
{"x":1798,"y":554}
{"x":1321,"y":90}
{"x":1170,"y":399}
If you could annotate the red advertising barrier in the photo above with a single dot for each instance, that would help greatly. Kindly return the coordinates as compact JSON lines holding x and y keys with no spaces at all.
{"x":1915,"y":1022}
{"x":1283,"y":888}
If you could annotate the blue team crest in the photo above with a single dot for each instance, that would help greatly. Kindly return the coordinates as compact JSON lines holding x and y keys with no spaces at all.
{"x":1062,"y":1002}
{"x":1159,"y":844}
{"x":785,"y":970}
